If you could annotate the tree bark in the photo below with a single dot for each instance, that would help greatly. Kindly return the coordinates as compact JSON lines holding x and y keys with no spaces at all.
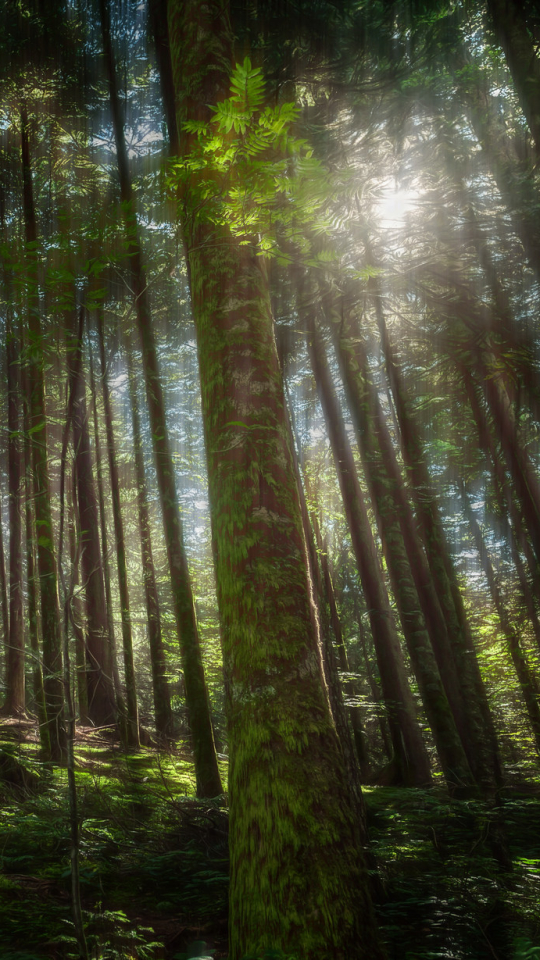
{"x":206,"y":767}
{"x":294,"y":841}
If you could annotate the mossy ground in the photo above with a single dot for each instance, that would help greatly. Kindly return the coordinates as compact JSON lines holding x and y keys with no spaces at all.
{"x":154,"y":864}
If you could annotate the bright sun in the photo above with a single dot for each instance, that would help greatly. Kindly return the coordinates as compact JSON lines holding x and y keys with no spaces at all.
{"x":393,"y":205}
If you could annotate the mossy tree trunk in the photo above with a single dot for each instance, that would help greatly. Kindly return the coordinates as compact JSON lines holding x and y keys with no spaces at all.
{"x":206,"y":766}
{"x":297,"y":881}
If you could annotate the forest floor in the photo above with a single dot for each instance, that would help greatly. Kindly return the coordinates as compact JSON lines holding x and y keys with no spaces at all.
{"x":154,"y":862}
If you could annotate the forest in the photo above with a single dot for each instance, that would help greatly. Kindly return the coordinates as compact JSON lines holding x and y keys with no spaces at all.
{"x":269,"y":480}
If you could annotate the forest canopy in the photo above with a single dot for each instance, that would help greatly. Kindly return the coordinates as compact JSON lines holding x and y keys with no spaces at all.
{"x":270,"y":449}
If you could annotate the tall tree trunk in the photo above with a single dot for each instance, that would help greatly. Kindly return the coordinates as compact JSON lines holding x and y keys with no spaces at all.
{"x":486,"y":763}
{"x":519,"y":463}
{"x":328,"y":654}
{"x":120,"y":549}
{"x":4,"y":609}
{"x":373,"y":686}
{"x":206,"y":767}
{"x":76,"y":617}
{"x":158,"y":660}
{"x":118,"y":692}
{"x":403,"y":555}
{"x":47,"y":569}
{"x":15,"y":680}
{"x":32,"y":584}
{"x":328,"y":612}
{"x":294,"y":841}
{"x":101,"y":700}
{"x":527,"y":682}
{"x":510,"y":515}
{"x":349,"y":687}
{"x":409,"y":750}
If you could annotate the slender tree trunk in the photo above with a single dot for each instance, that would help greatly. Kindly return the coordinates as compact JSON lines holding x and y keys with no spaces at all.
{"x":328,"y":612}
{"x":409,"y":750}
{"x":158,"y":660}
{"x":349,"y":687}
{"x":206,"y":767}
{"x":47,"y":569}
{"x":75,"y":607}
{"x":510,"y":516}
{"x":158,"y":20}
{"x":32,"y":586}
{"x":76,"y":904}
{"x":329,"y":659}
{"x":15,"y":679}
{"x":120,"y":549}
{"x":396,"y":529}
{"x":4,"y":609}
{"x":527,"y":682}
{"x":118,"y":692}
{"x":294,"y":841}
{"x":485,"y":764}
{"x":373,"y":686}
{"x":101,"y":700}
{"x":519,"y":463}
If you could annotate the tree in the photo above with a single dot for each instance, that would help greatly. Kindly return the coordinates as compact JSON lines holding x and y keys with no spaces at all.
{"x":287,"y":789}
{"x":208,"y":777}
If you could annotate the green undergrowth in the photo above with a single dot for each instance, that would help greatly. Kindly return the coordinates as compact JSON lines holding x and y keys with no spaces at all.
{"x":154,"y":865}
{"x":445,"y":863}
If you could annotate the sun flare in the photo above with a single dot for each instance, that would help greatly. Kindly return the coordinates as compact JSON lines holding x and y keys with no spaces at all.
{"x":393,"y":205}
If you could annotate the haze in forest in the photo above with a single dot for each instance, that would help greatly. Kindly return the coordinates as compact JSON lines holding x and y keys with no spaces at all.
{"x":269,"y":492}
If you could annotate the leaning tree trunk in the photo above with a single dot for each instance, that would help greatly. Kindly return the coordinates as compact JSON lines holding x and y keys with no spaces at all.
{"x":409,"y":750}
{"x":527,"y":681}
{"x":396,"y":531}
{"x":486,"y":762}
{"x":294,"y":841}
{"x":206,"y":766}
{"x":47,"y":567}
